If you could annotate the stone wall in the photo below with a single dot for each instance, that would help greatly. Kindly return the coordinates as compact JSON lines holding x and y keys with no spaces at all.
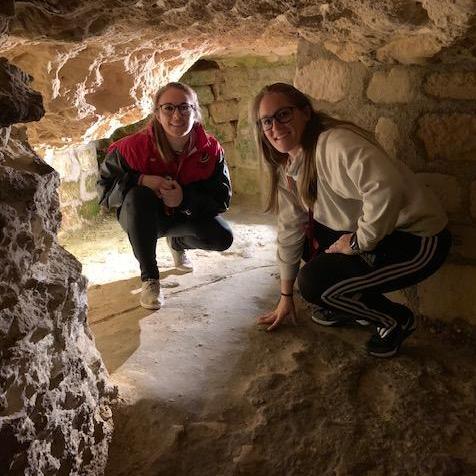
{"x":226,"y":88}
{"x":425,"y":116}
{"x":78,"y":171}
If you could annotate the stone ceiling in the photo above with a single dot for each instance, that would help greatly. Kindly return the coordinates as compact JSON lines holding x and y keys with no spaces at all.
{"x":97,"y":62}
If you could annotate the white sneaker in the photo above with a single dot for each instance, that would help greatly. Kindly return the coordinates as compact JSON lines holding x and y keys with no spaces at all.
{"x":181,"y":260}
{"x":151,"y":296}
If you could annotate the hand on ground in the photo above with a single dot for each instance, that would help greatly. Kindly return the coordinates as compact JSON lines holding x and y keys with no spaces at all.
{"x":275,"y":318}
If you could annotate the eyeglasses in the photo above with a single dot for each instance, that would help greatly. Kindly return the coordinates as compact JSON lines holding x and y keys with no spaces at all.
{"x":184,"y":109}
{"x":283,"y":115}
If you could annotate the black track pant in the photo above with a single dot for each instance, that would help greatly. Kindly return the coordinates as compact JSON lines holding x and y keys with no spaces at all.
{"x":144,"y":219}
{"x":355,"y":284}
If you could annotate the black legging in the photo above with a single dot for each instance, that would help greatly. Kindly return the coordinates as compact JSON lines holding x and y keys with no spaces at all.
{"x":145,"y":220}
{"x":355,"y":284}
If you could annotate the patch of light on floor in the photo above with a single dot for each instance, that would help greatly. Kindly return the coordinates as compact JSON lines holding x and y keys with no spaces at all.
{"x":106,"y":255}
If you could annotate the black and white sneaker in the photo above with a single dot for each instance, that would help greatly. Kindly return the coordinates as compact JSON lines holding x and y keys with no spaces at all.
{"x":331,"y":318}
{"x":387,"y":341}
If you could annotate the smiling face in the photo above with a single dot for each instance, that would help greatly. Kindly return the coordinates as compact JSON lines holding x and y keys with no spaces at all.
{"x":176,"y":125}
{"x":285,"y":137}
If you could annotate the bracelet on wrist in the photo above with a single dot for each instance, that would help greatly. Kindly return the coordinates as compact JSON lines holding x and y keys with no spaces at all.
{"x":287,"y":294}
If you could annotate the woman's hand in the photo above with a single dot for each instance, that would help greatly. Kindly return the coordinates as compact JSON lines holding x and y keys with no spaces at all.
{"x":275,"y":318}
{"x":342,"y":245}
{"x":172,"y":195}
{"x":156,"y":183}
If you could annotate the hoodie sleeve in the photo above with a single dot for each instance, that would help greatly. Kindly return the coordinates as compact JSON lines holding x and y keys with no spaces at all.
{"x":292,"y":218}
{"x":363,"y":171}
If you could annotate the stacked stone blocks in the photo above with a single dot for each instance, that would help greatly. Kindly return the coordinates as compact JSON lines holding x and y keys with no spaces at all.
{"x":226,"y":91}
{"x":425,"y":116}
{"x":78,"y":170}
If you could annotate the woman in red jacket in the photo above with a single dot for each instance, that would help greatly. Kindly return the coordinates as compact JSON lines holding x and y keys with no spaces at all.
{"x":170,"y":179}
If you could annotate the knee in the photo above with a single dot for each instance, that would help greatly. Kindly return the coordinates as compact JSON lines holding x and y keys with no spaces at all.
{"x":139,"y":202}
{"x":138,"y":206}
{"x":309,"y":285}
{"x":224,"y":241}
{"x":136,"y":198}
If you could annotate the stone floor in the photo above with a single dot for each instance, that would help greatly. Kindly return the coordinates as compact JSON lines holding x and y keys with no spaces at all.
{"x":205,"y":391}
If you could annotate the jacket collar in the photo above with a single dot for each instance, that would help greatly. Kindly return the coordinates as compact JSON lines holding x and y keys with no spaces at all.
{"x":200,"y":138}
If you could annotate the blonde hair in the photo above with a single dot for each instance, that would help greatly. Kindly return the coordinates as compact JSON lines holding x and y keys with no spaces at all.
{"x":163,"y":146}
{"x":318,"y":122}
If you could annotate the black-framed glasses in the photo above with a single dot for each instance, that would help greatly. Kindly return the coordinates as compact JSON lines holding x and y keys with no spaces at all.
{"x":184,"y":109}
{"x":283,"y":115}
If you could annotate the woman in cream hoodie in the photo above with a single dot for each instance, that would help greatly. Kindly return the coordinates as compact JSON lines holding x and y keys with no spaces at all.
{"x":361,"y":221}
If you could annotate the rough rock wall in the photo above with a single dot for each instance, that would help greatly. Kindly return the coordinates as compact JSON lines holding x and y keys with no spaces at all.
{"x":425,"y":116}
{"x":19,"y":103}
{"x":97,"y":62}
{"x":54,"y":413}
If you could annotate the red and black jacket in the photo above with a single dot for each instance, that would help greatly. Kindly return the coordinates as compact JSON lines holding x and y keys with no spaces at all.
{"x":202,"y":172}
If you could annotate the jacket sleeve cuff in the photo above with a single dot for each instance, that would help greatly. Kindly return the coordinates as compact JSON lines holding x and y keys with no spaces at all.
{"x":186,"y":206}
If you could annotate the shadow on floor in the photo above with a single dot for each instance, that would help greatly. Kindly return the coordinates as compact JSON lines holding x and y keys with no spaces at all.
{"x":114,"y":316}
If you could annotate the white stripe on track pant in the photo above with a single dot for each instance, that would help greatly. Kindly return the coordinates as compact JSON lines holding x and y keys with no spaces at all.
{"x":355,"y":284}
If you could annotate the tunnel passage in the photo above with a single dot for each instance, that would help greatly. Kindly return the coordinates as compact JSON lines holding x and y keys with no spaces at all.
{"x":404,"y":70}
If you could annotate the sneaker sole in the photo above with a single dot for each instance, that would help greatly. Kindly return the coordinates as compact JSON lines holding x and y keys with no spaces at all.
{"x":152,"y":308}
{"x":339,"y":322}
{"x":184,"y":269}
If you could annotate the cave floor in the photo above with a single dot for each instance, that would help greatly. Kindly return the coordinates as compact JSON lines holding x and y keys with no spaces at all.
{"x":204,"y":391}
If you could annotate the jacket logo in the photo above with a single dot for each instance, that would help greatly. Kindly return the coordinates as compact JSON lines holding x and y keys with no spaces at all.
{"x":204,"y":158}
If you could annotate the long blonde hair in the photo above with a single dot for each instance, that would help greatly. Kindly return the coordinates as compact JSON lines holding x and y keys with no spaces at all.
{"x":163,"y":146}
{"x":318,"y":122}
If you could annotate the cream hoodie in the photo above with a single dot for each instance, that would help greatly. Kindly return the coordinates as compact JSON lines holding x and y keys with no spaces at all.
{"x":359,"y":188}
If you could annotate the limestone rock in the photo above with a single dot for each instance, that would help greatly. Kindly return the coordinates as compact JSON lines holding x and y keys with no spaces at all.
{"x":98,"y":71}
{"x":434,"y":130}
{"x":449,"y":294}
{"x":324,"y":79}
{"x":18,"y":102}
{"x":446,"y":188}
{"x":410,"y":50}
{"x":346,"y":51}
{"x":454,"y":85}
{"x":53,"y":385}
{"x":224,"y":111}
{"x":396,"y":86}
{"x":388,"y":135}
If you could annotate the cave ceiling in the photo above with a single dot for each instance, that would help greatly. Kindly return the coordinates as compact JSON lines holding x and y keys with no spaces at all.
{"x":97,"y":62}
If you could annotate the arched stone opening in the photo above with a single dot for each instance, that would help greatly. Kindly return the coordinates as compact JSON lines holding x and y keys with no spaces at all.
{"x":404,"y":70}
{"x":225,"y":87}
